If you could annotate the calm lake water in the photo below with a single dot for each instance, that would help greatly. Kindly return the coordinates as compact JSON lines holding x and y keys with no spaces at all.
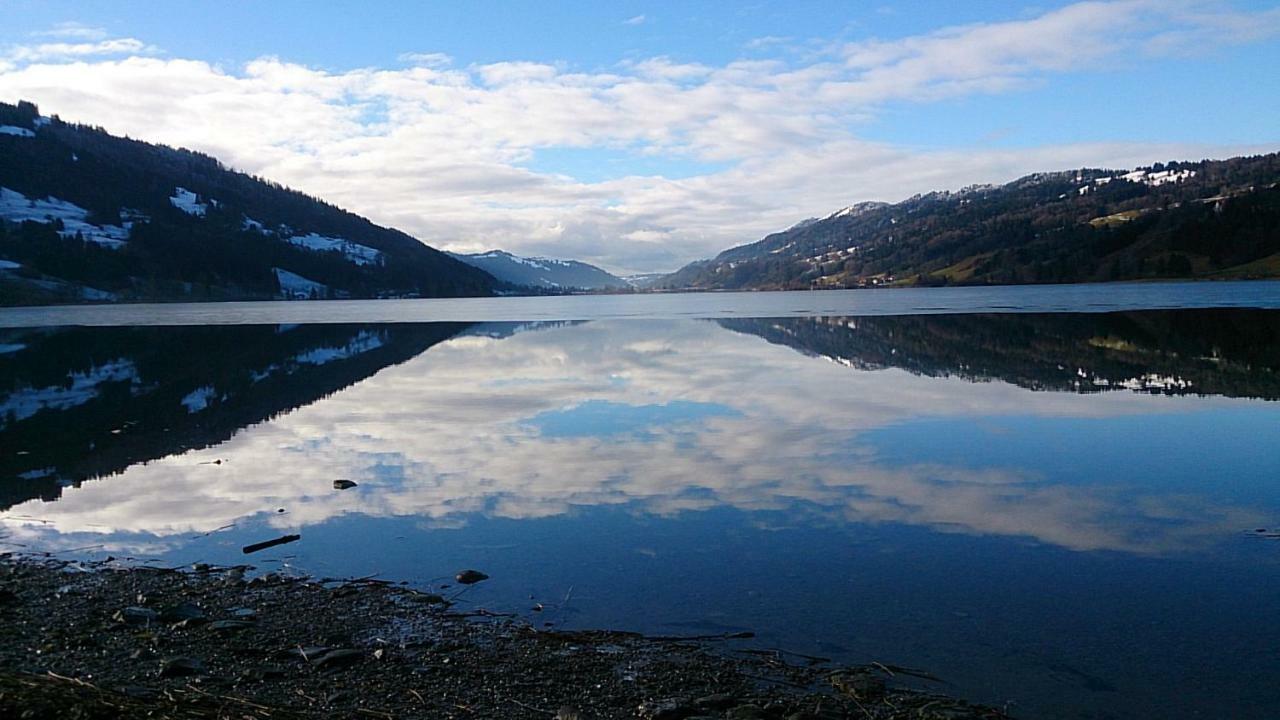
{"x":1058,"y":511}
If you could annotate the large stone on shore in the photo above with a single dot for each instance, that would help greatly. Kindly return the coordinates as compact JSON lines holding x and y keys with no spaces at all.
{"x":228,"y":626}
{"x":343,"y":484}
{"x":181,"y":667}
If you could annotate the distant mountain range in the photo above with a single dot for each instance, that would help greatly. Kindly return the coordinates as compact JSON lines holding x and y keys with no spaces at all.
{"x":1207,"y":219}
{"x":546,"y":273}
{"x":85,"y":216}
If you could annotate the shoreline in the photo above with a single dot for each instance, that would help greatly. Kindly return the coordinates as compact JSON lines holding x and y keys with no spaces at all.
{"x":112,"y":640}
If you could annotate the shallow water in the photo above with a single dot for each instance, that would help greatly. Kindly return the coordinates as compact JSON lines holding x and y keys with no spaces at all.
{"x":1055,"y":511}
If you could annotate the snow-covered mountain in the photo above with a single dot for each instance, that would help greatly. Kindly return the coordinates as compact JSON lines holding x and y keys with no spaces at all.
{"x":540,"y":272}
{"x":86,"y":216}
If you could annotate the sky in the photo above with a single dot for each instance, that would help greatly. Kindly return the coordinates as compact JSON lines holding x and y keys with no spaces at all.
{"x":639,"y":136}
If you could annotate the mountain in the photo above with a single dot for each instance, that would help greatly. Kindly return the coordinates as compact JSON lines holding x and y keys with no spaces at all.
{"x":1207,"y":219}
{"x":540,"y":272}
{"x":644,"y":280}
{"x":85,"y":215}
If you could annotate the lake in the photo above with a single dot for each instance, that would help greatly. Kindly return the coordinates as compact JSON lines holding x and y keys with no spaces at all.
{"x":1070,"y":512}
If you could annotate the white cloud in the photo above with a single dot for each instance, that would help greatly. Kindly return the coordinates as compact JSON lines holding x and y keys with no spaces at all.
{"x":431,"y":59}
{"x":637,"y":20}
{"x":67,"y":51}
{"x":73,"y":30}
{"x":445,"y":153}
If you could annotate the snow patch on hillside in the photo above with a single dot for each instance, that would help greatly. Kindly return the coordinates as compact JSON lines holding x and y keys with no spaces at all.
{"x":16,"y":207}
{"x":15,"y":130}
{"x":295,"y":287}
{"x":250,"y":224}
{"x":188,"y":202}
{"x":355,"y":252}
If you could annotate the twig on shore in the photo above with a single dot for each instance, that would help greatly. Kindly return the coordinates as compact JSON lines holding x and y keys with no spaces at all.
{"x":530,"y":707}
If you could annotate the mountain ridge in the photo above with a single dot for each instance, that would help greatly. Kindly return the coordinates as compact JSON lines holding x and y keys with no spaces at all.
{"x":1211,"y":218}
{"x":85,"y":215}
{"x":542,"y":272}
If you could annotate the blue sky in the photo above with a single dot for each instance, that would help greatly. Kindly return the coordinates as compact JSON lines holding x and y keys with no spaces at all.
{"x":643,"y":135}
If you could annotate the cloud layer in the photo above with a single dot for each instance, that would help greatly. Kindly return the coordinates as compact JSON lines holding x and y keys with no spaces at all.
{"x":458,"y":156}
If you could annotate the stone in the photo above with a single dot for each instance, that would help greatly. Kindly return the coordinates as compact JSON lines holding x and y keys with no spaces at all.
{"x":137,"y":616}
{"x":746,"y":712}
{"x":470,"y":577}
{"x":184,"y":612}
{"x":859,"y":684}
{"x":342,"y":657}
{"x":716,"y":701}
{"x":343,"y":484}
{"x":228,"y":626}
{"x":307,"y":652}
{"x":181,"y":667}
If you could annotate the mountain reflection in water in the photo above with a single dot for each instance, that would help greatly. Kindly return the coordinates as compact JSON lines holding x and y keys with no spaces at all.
{"x":1130,"y":441}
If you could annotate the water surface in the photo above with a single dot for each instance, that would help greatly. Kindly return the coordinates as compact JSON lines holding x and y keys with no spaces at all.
{"x":1055,"y":511}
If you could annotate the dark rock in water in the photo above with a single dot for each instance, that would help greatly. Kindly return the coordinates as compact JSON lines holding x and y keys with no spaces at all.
{"x":341,"y":657}
{"x":137,"y":616}
{"x":343,"y":484}
{"x":859,"y":684}
{"x":181,"y":667}
{"x":470,"y":577}
{"x":201,"y":567}
{"x":270,"y":543}
{"x":230,"y":625}
{"x":669,"y":709}
{"x":184,"y":612}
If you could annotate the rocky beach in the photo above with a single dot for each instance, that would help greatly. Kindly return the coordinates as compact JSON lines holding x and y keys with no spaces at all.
{"x":117,"y":640}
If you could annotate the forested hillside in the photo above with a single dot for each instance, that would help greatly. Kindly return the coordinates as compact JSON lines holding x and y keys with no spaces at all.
{"x":85,"y":215}
{"x":1208,"y":219}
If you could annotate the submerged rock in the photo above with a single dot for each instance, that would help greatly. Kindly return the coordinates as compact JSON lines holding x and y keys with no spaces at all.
{"x":470,"y":577}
